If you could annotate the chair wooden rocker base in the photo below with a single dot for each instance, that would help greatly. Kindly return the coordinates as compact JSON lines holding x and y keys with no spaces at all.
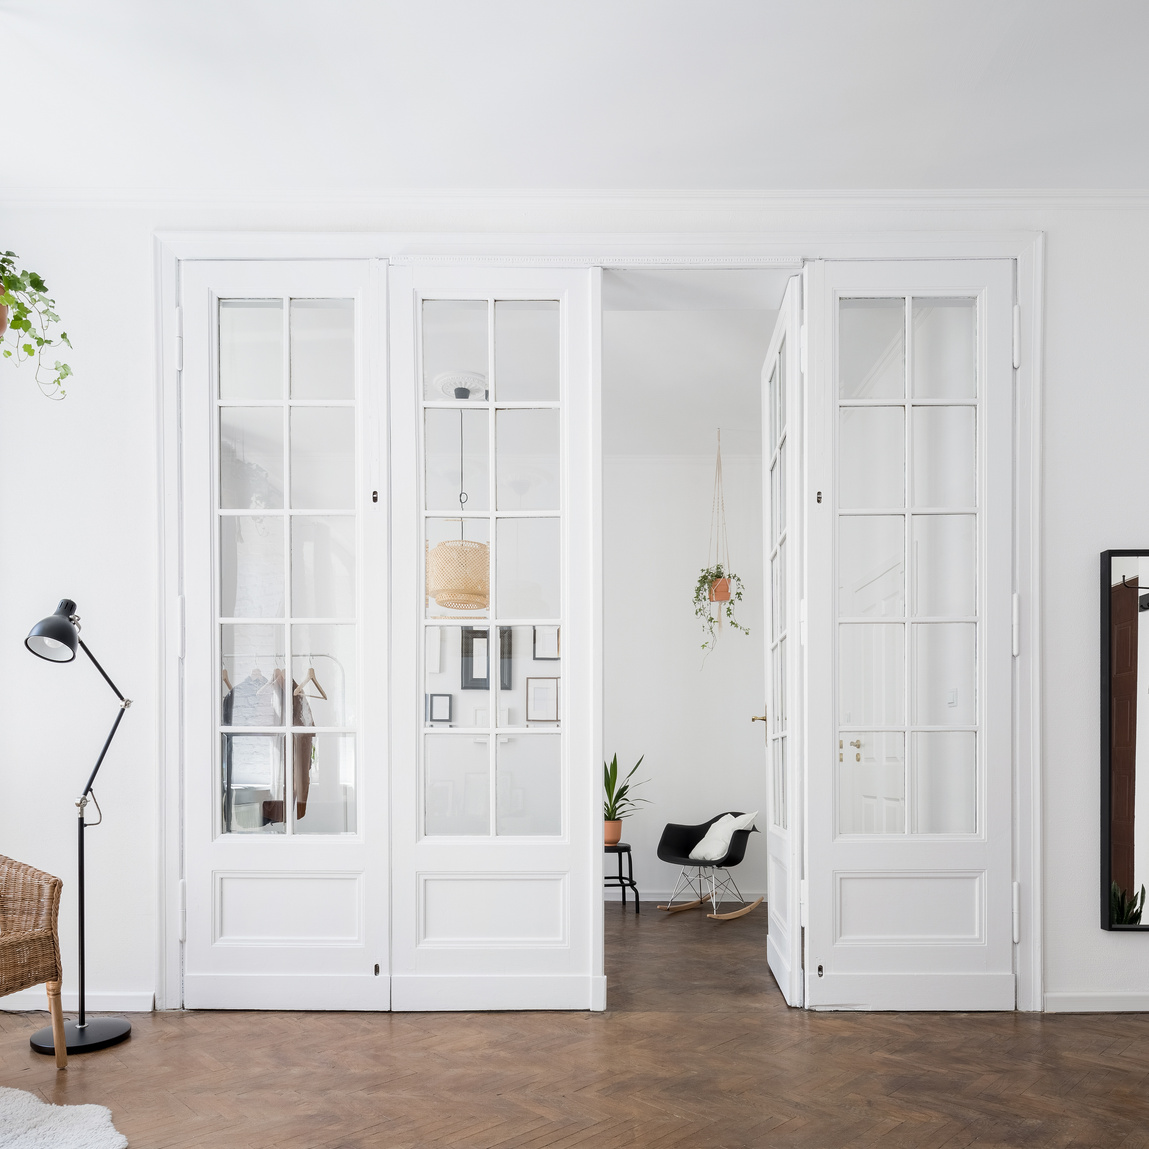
{"x":710,"y":881}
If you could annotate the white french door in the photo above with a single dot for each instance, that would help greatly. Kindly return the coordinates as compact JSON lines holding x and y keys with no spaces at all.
{"x":909,"y":577}
{"x":284,"y":677}
{"x":497,"y":836}
{"x":783,"y":533}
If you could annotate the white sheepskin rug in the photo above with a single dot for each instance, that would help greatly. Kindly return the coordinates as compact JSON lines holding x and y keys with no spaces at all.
{"x":26,"y":1122}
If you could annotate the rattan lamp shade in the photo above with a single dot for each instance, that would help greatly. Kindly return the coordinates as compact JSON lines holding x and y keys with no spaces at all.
{"x":459,"y":574}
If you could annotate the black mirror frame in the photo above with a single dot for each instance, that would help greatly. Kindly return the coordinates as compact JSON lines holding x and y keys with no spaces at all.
{"x":1107,"y":923}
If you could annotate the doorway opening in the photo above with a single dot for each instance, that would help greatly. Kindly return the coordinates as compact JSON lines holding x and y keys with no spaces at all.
{"x":682,"y":360}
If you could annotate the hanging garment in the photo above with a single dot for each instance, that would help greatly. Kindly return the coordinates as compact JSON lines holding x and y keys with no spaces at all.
{"x":302,"y":745}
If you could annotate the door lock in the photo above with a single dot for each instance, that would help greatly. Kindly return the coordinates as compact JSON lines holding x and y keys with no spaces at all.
{"x":758,"y":718}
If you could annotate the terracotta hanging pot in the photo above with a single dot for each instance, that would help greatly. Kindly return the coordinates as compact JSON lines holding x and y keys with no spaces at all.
{"x":720,"y":590}
{"x":3,"y":313}
{"x":612,"y":832}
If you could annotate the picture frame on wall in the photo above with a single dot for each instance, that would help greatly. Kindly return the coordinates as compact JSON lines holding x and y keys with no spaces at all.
{"x":475,"y":658}
{"x":438,"y":708}
{"x":546,"y":644}
{"x":542,"y":699}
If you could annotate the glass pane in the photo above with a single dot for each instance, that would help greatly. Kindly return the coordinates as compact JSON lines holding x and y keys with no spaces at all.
{"x":251,"y":349}
{"x":527,"y":457}
{"x":528,"y":571}
{"x":944,"y":457}
{"x":530,"y":675}
{"x":323,"y":566}
{"x":251,"y":458}
{"x":871,"y":458}
{"x":782,"y":386}
{"x":526,"y":350}
{"x":782,"y":694}
{"x":457,"y":463}
{"x":945,"y":564}
{"x":455,"y":349}
{"x":323,"y":769}
{"x":779,"y":762}
{"x":871,"y":674}
{"x":458,"y":669}
{"x":945,"y":348}
{"x":323,"y":349}
{"x":871,"y":783}
{"x":871,"y":571}
{"x":457,"y":770}
{"x":782,"y":488}
{"x":778,"y":685}
{"x":944,"y":779}
{"x":253,"y":784}
{"x":776,"y":499}
{"x":944,"y":674}
{"x":252,"y":678}
{"x":323,"y":663}
{"x":871,"y":348}
{"x":251,"y":566}
{"x":322,"y":458}
{"x":528,"y":784}
{"x":775,"y":430}
{"x":458,"y":579}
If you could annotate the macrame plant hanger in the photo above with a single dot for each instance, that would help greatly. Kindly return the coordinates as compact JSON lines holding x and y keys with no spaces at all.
{"x":718,"y":547}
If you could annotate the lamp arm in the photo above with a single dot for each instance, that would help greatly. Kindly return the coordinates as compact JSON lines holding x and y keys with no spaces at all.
{"x":124,"y":704}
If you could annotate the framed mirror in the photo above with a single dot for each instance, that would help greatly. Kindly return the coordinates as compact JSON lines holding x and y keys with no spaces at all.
{"x":1124,"y":739}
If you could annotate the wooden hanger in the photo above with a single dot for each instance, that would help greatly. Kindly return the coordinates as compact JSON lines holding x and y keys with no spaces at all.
{"x":310,"y":677}
{"x":226,"y":680}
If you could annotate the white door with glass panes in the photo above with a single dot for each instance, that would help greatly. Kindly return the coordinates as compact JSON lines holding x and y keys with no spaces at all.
{"x":497,"y":835}
{"x":909,"y":584}
{"x":285,"y":595}
{"x":782,"y":436}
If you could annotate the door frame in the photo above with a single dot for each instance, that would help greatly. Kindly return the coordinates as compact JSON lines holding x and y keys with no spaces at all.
{"x":627,"y":251}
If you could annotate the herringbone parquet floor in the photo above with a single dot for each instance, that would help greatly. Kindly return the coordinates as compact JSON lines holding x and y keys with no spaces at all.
{"x":696,"y":1049}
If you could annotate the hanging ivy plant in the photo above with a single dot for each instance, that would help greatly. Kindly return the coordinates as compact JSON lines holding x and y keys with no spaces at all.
{"x":27,"y":318}
{"x":704,"y":604}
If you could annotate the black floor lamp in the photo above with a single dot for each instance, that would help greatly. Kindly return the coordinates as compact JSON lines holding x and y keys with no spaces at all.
{"x":56,"y":639}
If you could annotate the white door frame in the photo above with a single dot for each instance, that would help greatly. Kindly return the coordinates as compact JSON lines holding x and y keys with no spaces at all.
{"x":626,"y":251}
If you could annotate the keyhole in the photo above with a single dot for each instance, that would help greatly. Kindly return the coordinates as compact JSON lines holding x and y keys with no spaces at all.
{"x":819,"y":971}
{"x":376,"y":969}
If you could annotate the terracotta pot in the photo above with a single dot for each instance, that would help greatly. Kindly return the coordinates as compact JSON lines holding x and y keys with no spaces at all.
{"x":612,"y":832}
{"x":720,"y":590}
{"x":3,"y":318}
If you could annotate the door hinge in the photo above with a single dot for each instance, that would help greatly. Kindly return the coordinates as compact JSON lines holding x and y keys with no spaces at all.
{"x":802,"y":622}
{"x":803,"y":348}
{"x":181,"y":626}
{"x":183,"y":908}
{"x":803,"y":907}
{"x":1016,"y":624}
{"x":179,"y":339}
{"x":1016,"y":912}
{"x":1016,"y":336}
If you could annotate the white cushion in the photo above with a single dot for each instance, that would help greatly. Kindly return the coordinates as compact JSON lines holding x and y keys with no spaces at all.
{"x":716,"y":844}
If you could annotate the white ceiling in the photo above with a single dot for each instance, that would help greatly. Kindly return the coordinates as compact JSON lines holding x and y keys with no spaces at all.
{"x":378,"y":95}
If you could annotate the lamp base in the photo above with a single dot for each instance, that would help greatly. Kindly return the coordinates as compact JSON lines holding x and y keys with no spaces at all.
{"x":99,"y":1033}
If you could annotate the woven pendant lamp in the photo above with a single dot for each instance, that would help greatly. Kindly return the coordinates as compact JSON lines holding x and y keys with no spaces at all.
{"x":459,"y":570}
{"x":459,"y":574}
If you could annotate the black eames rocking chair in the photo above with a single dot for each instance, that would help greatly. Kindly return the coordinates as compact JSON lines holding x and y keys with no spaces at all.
{"x":675,"y":846}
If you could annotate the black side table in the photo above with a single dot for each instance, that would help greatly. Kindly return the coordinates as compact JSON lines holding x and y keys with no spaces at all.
{"x":612,"y":882}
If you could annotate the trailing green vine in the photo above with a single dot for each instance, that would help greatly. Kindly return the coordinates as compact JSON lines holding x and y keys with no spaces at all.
{"x":31,"y":318}
{"x":703,"y":607}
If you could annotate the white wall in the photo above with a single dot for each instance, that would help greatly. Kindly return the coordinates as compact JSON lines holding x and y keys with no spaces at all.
{"x":78,"y":513}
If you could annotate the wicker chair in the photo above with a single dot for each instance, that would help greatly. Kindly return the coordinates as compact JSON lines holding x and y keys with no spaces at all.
{"x":29,"y":942}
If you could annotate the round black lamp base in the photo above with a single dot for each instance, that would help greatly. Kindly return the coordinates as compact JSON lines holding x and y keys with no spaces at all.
{"x":99,"y":1033}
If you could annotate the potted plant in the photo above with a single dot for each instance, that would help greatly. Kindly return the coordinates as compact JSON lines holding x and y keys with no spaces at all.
{"x":1125,"y":910}
{"x":27,"y":316}
{"x":618,"y":802}
{"x":718,"y":585}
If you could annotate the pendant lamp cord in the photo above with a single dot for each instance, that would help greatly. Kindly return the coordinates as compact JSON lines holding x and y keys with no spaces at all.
{"x":462,"y":493}
{"x":718,"y":546}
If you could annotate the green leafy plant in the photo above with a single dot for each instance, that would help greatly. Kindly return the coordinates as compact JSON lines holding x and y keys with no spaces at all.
{"x":618,"y":802}
{"x":31,"y":318}
{"x":1123,"y":909}
{"x":703,"y":607}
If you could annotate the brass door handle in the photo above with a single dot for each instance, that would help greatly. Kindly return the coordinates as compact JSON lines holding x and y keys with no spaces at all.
{"x":857,"y":744}
{"x":758,"y":718}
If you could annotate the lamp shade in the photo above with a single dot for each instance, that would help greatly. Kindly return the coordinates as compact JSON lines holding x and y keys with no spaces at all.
{"x":55,"y":637}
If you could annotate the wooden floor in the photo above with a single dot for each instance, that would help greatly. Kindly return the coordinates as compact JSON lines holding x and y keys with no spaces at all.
{"x":696,"y":1049}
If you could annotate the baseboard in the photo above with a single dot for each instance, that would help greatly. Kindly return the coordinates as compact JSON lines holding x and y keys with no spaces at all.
{"x":438,"y":992}
{"x":286,"y":991}
{"x":1091,"y":1001}
{"x":613,"y":894}
{"x":37,"y":998}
